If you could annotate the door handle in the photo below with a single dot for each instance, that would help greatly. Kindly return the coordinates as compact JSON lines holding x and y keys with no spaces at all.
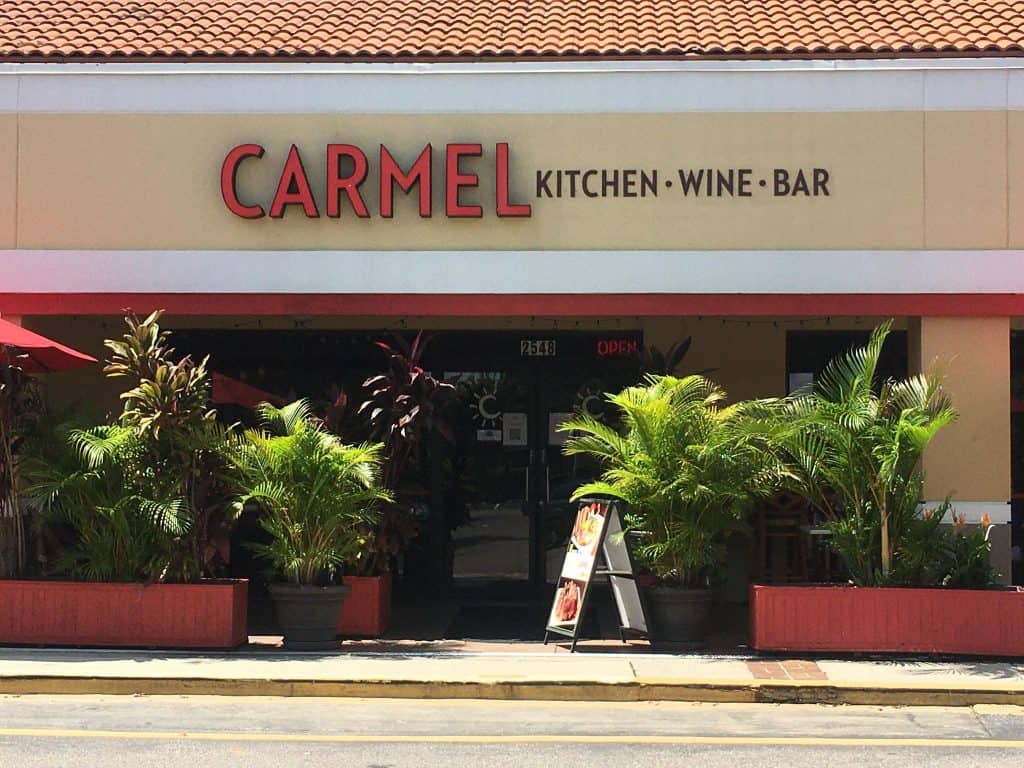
{"x":547,"y":483}
{"x":526,"y":489}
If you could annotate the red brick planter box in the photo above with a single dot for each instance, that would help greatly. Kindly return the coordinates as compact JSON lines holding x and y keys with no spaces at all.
{"x":982,"y":622}
{"x":211,"y":614}
{"x":367,"y":609}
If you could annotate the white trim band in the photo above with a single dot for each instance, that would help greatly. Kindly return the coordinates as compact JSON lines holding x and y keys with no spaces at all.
{"x":515,"y":87}
{"x":997,"y":511}
{"x":513,"y":272}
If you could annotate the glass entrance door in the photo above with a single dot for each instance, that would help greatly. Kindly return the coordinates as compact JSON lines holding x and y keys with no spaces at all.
{"x":571,"y":388}
{"x":516,"y":482}
{"x":492,"y":542}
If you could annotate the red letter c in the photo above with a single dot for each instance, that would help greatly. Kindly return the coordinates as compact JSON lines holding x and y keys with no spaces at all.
{"x":228,"y":171}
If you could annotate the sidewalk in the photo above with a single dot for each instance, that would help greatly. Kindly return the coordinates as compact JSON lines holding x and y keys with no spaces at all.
{"x":453,"y":669}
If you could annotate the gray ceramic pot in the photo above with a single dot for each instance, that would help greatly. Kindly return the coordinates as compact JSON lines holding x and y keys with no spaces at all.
{"x":679,"y":615}
{"x":309,"y":615}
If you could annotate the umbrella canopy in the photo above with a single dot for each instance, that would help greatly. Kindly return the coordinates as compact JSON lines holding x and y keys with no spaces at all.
{"x":229,"y":391}
{"x":38,"y":354}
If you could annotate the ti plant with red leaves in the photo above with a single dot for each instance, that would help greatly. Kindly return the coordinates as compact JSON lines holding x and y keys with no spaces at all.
{"x":406,"y":406}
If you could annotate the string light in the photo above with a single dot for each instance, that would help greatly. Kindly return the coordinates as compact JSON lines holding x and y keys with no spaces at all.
{"x":783,"y":322}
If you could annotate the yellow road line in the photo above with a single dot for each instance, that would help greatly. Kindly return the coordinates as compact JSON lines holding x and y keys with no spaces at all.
{"x":363,"y":738}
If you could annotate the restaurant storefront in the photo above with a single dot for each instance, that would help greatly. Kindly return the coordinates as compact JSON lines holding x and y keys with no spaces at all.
{"x":546,"y":221}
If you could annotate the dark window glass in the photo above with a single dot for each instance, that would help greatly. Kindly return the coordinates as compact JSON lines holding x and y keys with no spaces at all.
{"x":808,"y":352}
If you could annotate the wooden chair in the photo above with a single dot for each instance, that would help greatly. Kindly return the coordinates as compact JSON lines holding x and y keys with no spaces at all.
{"x":781,"y":524}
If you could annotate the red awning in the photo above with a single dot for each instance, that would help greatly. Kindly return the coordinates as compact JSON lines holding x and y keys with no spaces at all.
{"x":38,"y":354}
{"x":229,"y":391}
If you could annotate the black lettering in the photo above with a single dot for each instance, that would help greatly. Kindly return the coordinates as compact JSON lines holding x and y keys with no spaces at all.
{"x":573,"y":175}
{"x":800,"y":185}
{"x":724,"y":182}
{"x":609,"y":182}
{"x":629,"y":183}
{"x":558,"y":185}
{"x":691,"y":181}
{"x":648,"y":183}
{"x":780,"y":178}
{"x":821,"y":182}
{"x":543,"y":179}
{"x":744,"y":183}
{"x":587,"y":176}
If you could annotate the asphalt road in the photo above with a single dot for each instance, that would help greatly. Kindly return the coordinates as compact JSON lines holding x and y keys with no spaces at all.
{"x":145,"y":732}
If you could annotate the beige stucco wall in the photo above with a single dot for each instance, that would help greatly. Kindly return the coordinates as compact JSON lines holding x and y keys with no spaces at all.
{"x":8,"y":179}
{"x":1015,"y":178}
{"x":965,"y":181}
{"x":746,"y":360}
{"x":85,"y":389}
{"x":970,"y":458}
{"x":897,"y":180}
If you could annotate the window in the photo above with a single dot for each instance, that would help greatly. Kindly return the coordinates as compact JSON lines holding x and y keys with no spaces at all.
{"x":808,"y":352}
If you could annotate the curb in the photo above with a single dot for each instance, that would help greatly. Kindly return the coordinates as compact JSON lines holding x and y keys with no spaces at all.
{"x":705,"y":691}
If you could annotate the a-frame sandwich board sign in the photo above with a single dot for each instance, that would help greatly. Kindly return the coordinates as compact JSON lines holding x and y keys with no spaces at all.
{"x":597,"y":547}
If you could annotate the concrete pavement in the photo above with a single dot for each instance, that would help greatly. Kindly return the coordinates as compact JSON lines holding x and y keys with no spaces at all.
{"x":108,"y":731}
{"x":511,"y":671}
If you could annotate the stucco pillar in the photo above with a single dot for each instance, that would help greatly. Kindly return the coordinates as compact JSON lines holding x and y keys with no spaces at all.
{"x":971,"y":458}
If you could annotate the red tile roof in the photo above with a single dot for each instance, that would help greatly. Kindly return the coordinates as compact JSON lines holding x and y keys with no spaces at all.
{"x":484,"y":28}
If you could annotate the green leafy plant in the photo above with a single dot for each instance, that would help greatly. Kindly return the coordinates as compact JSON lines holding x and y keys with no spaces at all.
{"x":145,"y":485}
{"x":687,"y":474}
{"x":854,"y":446}
{"x":123,"y":520}
{"x":20,"y":407}
{"x":403,"y":411}
{"x":317,"y":493}
{"x":967,"y":564}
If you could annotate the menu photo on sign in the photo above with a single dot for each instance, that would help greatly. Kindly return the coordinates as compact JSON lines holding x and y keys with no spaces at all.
{"x":578,"y":566}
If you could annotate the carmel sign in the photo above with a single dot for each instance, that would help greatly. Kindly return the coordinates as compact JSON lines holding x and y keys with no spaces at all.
{"x":342,"y":188}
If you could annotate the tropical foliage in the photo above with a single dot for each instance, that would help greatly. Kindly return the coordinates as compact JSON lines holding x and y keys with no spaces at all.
{"x":317,"y":493}
{"x":123,"y":521}
{"x":854,"y":446}
{"x":139,"y":495}
{"x":686,"y":472}
{"x":403,"y":411}
{"x":20,"y":406}
{"x":654,"y":360}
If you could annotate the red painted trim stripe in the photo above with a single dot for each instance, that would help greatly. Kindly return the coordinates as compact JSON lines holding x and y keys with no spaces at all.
{"x":489,"y":305}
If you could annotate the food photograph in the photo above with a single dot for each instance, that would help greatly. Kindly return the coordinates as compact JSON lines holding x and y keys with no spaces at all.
{"x":567,"y":603}
{"x":586,"y":533}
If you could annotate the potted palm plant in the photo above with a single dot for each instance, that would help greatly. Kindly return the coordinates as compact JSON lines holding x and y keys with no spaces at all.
{"x":687,"y":477}
{"x":132,"y":509}
{"x":854,"y":446}
{"x":317,"y":494}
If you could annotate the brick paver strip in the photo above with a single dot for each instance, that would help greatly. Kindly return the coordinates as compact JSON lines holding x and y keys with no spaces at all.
{"x":786,"y":670}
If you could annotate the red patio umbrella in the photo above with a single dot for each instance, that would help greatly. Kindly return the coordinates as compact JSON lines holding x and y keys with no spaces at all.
{"x":38,"y":354}
{"x":229,"y":391}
